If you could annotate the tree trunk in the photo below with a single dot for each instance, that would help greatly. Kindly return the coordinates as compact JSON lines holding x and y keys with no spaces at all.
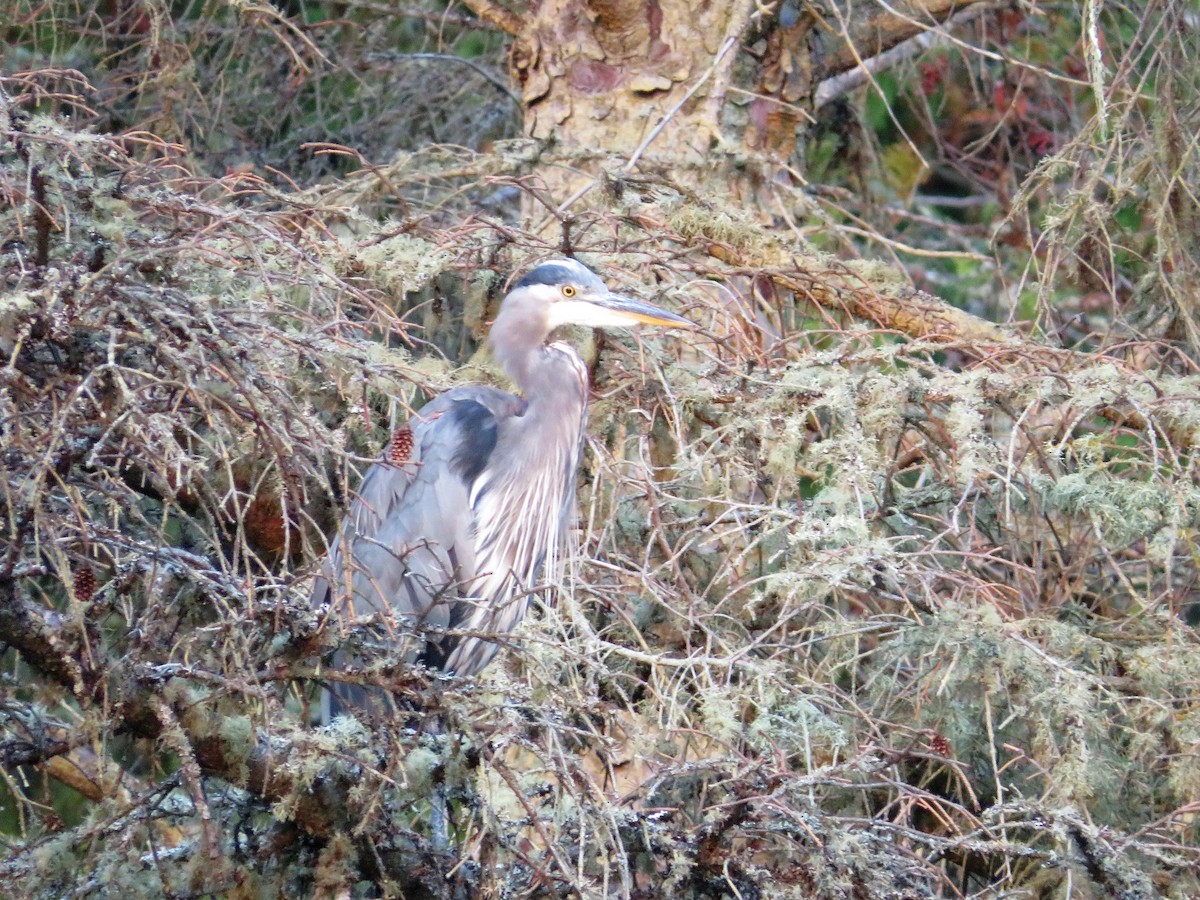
{"x":623,"y":76}
{"x":681,"y":82}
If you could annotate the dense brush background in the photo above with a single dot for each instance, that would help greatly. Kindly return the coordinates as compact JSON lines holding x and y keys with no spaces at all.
{"x":884,"y":582}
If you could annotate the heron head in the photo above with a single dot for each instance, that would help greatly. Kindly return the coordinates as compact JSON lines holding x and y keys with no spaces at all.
{"x":566,"y":292}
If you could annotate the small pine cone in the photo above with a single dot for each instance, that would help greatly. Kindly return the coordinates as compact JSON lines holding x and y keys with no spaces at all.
{"x":941,"y":746}
{"x":400,"y":449}
{"x":85,"y":583}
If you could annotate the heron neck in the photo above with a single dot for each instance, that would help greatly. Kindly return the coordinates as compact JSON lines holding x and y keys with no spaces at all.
{"x":516,"y":346}
{"x":549,"y":375}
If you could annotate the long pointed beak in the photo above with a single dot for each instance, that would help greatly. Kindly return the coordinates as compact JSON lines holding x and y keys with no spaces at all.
{"x":633,"y":312}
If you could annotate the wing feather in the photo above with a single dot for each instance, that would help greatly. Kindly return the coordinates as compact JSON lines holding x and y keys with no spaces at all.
{"x":407,"y":548}
{"x":455,"y":536}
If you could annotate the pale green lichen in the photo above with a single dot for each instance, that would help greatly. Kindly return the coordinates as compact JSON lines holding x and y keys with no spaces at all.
{"x":402,"y":263}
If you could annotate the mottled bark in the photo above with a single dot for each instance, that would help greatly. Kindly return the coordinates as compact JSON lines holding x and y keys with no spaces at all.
{"x":603,"y":76}
{"x":652,"y":79}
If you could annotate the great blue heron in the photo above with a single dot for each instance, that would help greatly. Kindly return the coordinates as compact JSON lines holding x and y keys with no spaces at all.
{"x":451,"y":530}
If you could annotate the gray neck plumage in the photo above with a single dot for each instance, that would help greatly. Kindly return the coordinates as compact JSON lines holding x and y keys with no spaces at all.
{"x":517,"y":347}
{"x":551,"y":376}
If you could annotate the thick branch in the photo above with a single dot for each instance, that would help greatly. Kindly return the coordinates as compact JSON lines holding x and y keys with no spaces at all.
{"x":39,"y":641}
{"x":835,"y":285}
{"x":495,"y":14}
{"x":845,"y":288}
{"x":256,"y":764}
{"x":861,"y":38}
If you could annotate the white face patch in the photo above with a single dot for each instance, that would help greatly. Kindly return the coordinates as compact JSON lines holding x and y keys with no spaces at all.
{"x":580,"y":312}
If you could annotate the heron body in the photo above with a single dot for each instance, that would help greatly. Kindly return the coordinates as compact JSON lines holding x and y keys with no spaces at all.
{"x":452,"y":529}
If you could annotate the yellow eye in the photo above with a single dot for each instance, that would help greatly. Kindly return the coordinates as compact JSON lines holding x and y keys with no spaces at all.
{"x":568,"y":290}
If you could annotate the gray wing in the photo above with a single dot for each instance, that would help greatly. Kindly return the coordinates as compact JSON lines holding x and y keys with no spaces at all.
{"x":406,"y":555}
